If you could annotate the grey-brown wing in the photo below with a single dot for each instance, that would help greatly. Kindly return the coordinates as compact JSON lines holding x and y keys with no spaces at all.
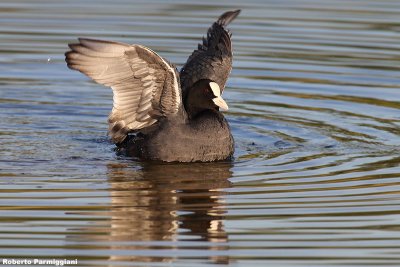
{"x":145,"y":86}
{"x":213,"y":58}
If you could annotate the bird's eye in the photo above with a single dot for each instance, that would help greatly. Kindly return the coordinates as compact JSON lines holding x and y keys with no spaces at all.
{"x":207,"y":92}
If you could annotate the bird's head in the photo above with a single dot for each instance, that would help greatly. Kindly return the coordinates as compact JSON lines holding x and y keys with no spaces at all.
{"x":204,"y":95}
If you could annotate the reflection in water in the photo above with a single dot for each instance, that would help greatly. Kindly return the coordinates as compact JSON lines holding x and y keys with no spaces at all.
{"x":168,"y":202}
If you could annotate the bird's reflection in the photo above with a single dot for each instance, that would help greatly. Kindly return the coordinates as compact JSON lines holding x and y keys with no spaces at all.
{"x":168,"y":202}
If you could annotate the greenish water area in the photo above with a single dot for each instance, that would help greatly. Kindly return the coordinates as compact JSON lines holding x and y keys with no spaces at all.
{"x":314,"y":108}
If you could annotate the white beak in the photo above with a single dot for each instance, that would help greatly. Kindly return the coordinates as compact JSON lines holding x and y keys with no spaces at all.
{"x":220,"y":103}
{"x":218,"y":99}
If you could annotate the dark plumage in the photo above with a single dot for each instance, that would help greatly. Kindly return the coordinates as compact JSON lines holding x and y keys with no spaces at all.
{"x":158,"y":113}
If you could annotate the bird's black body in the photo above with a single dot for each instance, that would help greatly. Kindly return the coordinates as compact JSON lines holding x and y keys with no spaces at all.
{"x":159,"y":114}
{"x":205,"y":138}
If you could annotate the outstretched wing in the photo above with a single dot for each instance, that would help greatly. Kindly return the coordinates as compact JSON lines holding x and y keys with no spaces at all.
{"x":213,"y":58}
{"x":145,"y":86}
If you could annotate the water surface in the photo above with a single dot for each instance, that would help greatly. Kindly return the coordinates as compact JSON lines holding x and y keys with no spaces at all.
{"x":314,"y":108}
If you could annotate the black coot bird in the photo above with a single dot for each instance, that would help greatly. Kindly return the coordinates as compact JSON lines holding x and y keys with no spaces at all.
{"x":158,"y":113}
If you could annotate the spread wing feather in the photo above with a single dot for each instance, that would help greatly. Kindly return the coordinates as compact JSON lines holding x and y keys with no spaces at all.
{"x":145,"y":86}
{"x":213,"y":58}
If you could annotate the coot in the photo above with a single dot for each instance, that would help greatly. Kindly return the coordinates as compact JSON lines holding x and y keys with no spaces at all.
{"x":158,"y":112}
